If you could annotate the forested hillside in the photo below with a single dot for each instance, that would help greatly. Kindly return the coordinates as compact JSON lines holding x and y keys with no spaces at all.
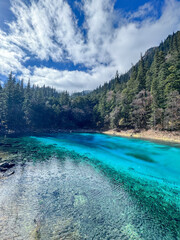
{"x":148,"y":96}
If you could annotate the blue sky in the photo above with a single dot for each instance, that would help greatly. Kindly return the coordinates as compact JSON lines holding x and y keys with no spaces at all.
{"x":78,"y":45}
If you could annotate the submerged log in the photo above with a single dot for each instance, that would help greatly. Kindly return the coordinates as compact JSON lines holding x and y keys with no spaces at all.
{"x":6,"y":166}
{"x":2,"y":169}
{"x":11,"y":173}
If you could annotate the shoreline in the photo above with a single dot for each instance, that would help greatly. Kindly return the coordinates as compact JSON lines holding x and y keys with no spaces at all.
{"x":164,"y":136}
{"x":46,"y":131}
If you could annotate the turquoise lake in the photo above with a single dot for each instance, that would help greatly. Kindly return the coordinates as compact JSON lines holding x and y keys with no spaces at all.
{"x":90,"y":186}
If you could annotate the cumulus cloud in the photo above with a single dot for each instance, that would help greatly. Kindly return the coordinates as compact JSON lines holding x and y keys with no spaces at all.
{"x":108,"y":40}
{"x":72,"y":81}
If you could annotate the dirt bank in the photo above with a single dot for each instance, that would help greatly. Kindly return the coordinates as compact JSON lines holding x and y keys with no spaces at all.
{"x":149,"y":134}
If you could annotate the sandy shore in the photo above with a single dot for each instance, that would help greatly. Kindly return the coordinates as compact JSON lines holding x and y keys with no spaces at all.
{"x":166,"y":136}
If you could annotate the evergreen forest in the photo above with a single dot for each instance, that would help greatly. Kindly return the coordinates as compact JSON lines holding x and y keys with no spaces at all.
{"x":147,"y":96}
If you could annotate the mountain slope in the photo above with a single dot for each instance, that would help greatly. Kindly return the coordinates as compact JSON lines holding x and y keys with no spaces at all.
{"x":147,"y":96}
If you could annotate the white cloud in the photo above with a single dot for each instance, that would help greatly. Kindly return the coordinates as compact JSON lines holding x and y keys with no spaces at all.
{"x":33,"y":31}
{"x":72,"y":81}
{"x":142,"y":11}
{"x":48,"y":29}
{"x":11,"y":56}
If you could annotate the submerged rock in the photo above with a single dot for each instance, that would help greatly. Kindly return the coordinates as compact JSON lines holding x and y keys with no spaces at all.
{"x":7,"y":165}
{"x":79,"y":200}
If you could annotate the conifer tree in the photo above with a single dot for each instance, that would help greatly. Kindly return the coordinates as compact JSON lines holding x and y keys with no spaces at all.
{"x":141,"y":75}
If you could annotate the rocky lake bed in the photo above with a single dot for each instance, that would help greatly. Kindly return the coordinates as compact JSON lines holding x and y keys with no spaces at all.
{"x":63,"y":187}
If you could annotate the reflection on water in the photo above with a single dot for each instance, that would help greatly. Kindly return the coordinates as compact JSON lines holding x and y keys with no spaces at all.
{"x":70,"y":196}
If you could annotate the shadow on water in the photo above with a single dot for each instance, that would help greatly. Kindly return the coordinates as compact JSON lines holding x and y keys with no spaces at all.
{"x":67,"y":195}
{"x":141,"y":157}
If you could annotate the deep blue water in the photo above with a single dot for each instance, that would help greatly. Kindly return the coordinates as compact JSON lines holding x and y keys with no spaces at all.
{"x":92,"y":186}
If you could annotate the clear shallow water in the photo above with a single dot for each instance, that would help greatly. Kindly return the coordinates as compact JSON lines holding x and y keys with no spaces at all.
{"x":92,"y":186}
